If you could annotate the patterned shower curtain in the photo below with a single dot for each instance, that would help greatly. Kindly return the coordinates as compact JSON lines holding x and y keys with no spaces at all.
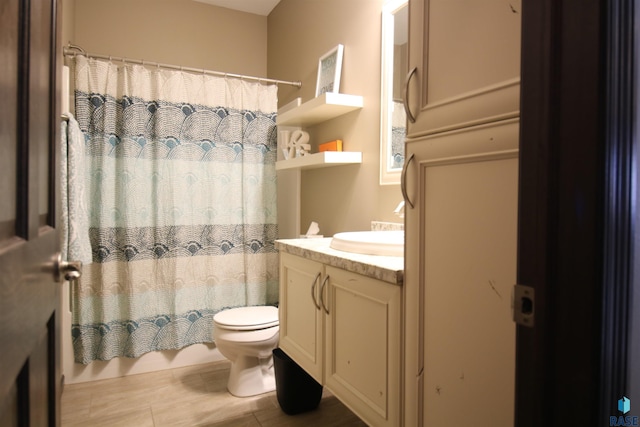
{"x":182,"y":205}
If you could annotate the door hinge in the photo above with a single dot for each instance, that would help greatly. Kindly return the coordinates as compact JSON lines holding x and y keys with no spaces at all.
{"x":523,"y":305}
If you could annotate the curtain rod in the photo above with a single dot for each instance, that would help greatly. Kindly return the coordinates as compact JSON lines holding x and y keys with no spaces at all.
{"x":73,"y":50}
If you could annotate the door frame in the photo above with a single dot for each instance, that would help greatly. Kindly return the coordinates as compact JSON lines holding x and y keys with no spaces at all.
{"x":576,"y":209}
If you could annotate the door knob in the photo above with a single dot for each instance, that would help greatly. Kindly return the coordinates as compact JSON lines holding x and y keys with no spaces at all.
{"x":66,"y":270}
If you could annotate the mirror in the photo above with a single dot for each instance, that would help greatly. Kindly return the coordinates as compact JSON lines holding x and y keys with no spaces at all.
{"x":394,"y":68}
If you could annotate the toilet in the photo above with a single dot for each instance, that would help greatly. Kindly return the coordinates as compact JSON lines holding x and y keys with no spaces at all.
{"x":247,"y":336}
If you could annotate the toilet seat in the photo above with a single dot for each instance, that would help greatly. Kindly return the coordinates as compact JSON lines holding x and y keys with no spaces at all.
{"x":247,"y":318}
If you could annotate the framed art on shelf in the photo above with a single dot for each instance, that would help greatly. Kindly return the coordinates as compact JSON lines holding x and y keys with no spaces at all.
{"x":329,"y":69}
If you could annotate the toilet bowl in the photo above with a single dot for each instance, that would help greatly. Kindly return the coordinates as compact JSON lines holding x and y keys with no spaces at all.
{"x":247,"y":336}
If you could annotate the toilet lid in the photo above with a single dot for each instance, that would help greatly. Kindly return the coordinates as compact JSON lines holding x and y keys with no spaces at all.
{"x":247,"y":318}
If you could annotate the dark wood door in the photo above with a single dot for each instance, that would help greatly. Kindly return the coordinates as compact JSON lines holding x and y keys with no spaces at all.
{"x":29,"y":139}
{"x":576,"y":209}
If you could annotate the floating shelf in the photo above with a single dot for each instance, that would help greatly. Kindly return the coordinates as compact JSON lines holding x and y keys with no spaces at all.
{"x":321,"y":160}
{"x":317,"y":110}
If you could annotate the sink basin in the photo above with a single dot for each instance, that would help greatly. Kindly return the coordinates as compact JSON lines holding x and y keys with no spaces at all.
{"x":387,"y":243}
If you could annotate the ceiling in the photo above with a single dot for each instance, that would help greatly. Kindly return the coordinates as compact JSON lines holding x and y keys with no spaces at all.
{"x":259,"y":7}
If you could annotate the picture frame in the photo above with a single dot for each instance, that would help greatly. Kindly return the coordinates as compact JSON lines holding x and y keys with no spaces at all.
{"x":329,"y":70}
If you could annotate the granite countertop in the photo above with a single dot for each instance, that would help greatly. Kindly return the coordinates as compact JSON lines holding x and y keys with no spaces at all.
{"x":386,"y":268}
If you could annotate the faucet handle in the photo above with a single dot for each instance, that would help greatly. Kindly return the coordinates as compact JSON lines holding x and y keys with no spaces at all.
{"x":399,"y":210}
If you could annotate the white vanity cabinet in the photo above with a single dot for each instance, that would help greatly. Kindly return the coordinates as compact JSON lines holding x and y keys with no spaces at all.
{"x":464,"y":63}
{"x":344,"y":329}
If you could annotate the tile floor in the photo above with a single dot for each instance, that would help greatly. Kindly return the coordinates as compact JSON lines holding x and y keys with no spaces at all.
{"x":191,"y":396}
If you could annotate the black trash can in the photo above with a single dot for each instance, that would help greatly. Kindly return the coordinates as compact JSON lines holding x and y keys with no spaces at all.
{"x":296,"y":390}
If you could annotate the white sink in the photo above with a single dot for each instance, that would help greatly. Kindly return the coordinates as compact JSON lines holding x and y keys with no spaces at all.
{"x":387,"y":243}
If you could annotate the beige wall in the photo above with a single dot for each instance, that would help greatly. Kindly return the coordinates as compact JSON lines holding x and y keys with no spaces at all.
{"x":300,"y":31}
{"x":179,"y":32}
{"x":68,"y":21}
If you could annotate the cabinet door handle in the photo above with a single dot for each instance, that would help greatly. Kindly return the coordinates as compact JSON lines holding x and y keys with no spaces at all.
{"x":405,"y":98}
{"x":313,"y":291}
{"x":324,"y":282}
{"x":403,"y":180}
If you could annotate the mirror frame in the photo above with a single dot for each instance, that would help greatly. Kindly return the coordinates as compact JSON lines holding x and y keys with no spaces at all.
{"x":388,"y":175}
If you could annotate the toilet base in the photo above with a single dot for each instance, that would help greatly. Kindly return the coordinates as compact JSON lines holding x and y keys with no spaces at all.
{"x":250,"y":376}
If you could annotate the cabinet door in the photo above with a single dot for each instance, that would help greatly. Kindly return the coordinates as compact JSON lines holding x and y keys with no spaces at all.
{"x":460,"y":269}
{"x":301,"y":327}
{"x":466,"y":54}
{"x":363,"y":345}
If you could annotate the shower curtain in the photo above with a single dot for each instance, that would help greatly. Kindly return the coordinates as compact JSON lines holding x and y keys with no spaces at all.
{"x":181,"y":189}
